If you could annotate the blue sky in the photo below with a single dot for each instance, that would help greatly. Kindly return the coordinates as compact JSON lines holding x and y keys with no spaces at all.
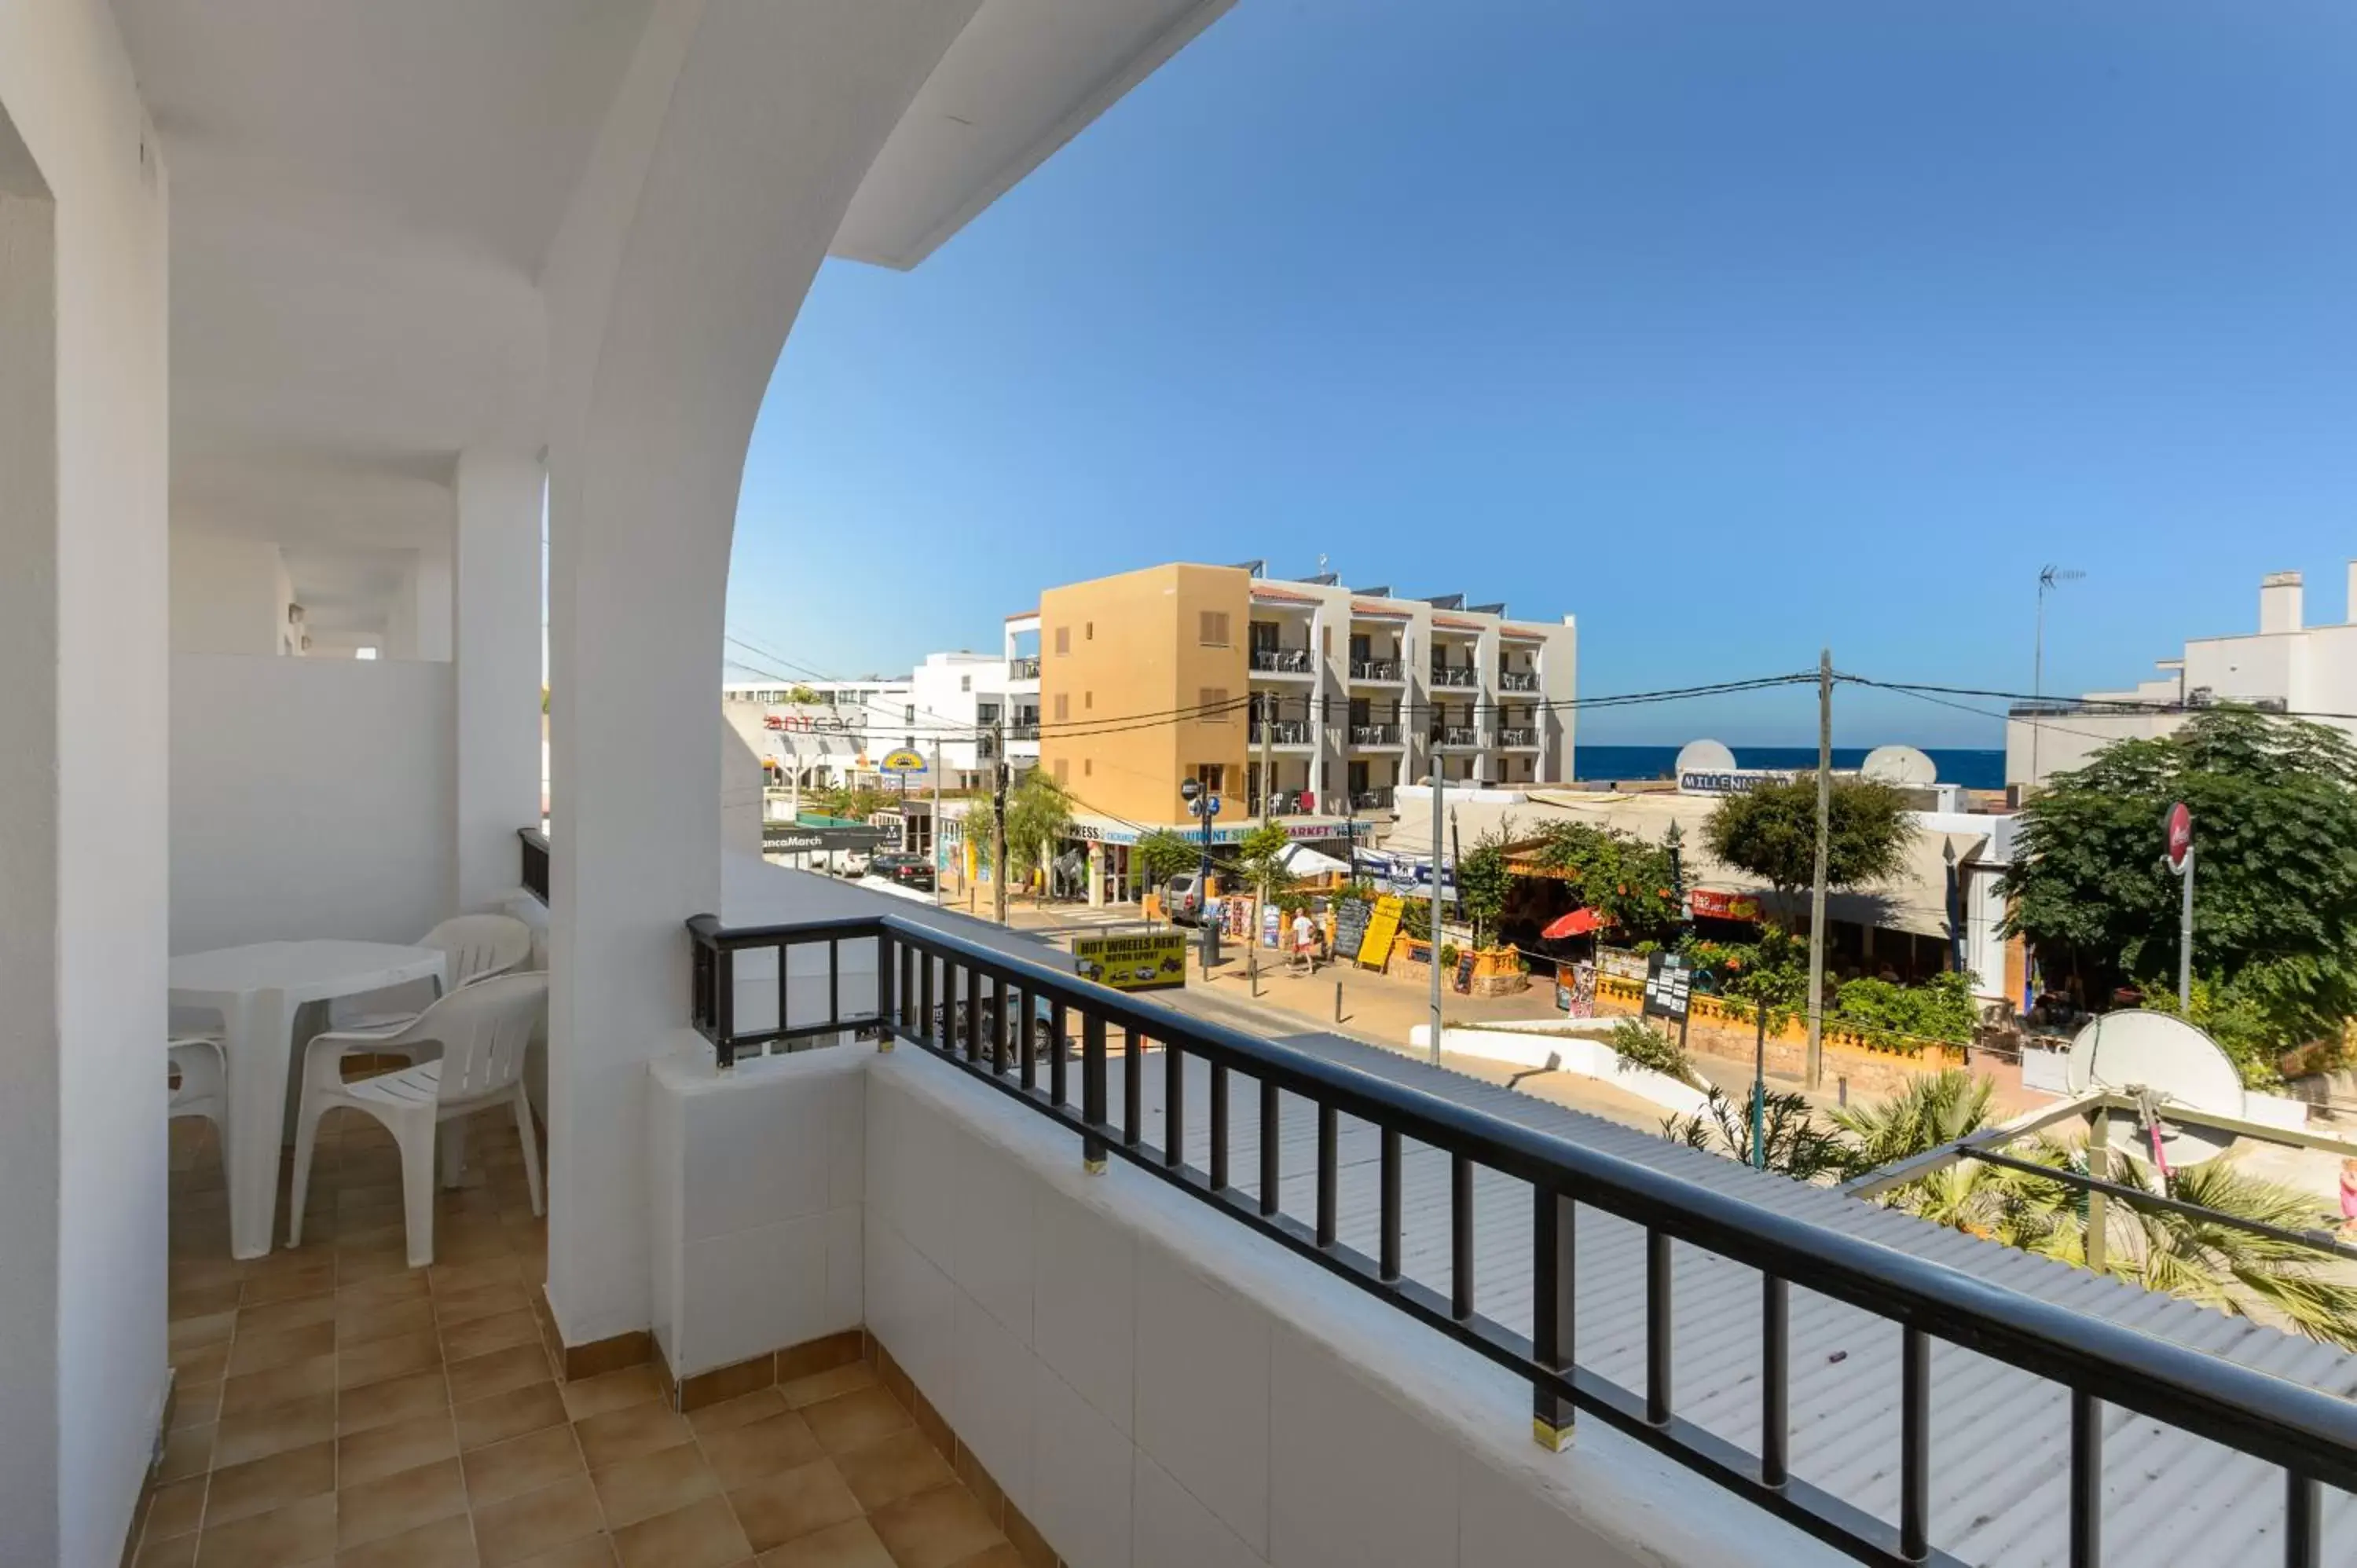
{"x":1731,"y":329}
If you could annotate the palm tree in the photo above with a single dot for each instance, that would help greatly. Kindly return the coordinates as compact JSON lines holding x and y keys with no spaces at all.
{"x":2216,"y":1264}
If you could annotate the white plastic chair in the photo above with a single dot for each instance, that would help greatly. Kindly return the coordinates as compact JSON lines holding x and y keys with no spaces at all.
{"x":482,"y":1030}
{"x":200,"y":1085}
{"x":479,"y":946}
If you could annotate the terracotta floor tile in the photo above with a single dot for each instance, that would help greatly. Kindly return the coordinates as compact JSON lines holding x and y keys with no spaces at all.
{"x":516,"y":1366}
{"x":701,"y":1535}
{"x":357,"y":1322}
{"x":176,"y":1509}
{"x":589,"y":1552}
{"x":278,"y":1316}
{"x":742,"y":1411}
{"x":201,"y":1301}
{"x":458,"y":1306}
{"x":748,"y":1453}
{"x":410,"y":1286}
{"x":901,"y":1467}
{"x":195,"y":1333}
{"x":259,"y":1485}
{"x":652,"y":1484}
{"x":850,"y":1545}
{"x":626,"y":1432}
{"x":279,"y":1385}
{"x":525,"y":1526}
{"x":999,"y":1556}
{"x":521,"y":1465}
{"x":258,"y":1433}
{"x":511,"y":1414}
{"x":855,"y":1420}
{"x":314,"y":1276}
{"x":394,"y":1446}
{"x":480,"y":1335}
{"x":356,"y":1265}
{"x":793,"y":1503}
{"x":302,"y":1533}
{"x":936,"y":1528}
{"x":380,"y":1359}
{"x":179,"y":1551}
{"x":611,"y":1391}
{"x":202,"y":1363}
{"x":449,"y":1278}
{"x":258,"y":1351}
{"x":394,"y":1400}
{"x":826,"y":1385}
{"x":390,"y":1505}
{"x":188,"y":1451}
{"x":445,"y":1543}
{"x":197,"y":1406}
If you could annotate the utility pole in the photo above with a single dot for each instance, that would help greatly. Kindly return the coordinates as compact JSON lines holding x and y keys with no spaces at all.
{"x":1436,"y":905}
{"x":1264,"y":710}
{"x":1817,"y":1069}
{"x":940,"y":861}
{"x":999,"y":816}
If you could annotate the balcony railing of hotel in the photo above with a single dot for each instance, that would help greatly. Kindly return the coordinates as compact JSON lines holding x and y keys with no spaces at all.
{"x":1456,"y":734}
{"x":1022,"y":668}
{"x":1518,"y":680}
{"x":1375,"y":669}
{"x":1026,"y":729}
{"x":1455,"y":675}
{"x":1374,"y":735}
{"x":1282,"y":732}
{"x":1284,"y":803}
{"x":535,"y":866}
{"x":1045,"y":1039}
{"x":1281,"y":662}
{"x":1520,"y":738}
{"x":1372,"y":800}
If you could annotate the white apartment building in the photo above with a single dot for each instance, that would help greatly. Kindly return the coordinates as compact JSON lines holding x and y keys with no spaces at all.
{"x":2285,"y":664}
{"x":837,"y":732}
{"x":961,"y":699}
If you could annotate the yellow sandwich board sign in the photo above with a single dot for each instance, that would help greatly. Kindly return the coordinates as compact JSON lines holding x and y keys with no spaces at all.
{"x":1376,"y":946}
{"x":1153,"y":963}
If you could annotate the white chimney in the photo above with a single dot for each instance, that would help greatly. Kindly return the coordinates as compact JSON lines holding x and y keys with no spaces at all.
{"x":2279,"y":602}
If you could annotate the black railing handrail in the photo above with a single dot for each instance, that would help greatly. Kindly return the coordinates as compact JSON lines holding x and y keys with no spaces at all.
{"x":533,"y":861}
{"x":2312,"y":1434}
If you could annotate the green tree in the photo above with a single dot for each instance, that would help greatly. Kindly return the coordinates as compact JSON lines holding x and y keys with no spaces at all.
{"x":1796,"y":1145}
{"x":1160,"y":854}
{"x":1619,"y":876}
{"x":803,"y":696}
{"x":2274,"y":891}
{"x":1771,"y":832}
{"x":1038,"y":810}
{"x":1483,"y":882}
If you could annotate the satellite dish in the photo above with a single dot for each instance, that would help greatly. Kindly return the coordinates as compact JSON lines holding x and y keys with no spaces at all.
{"x":2168,"y":1062}
{"x":1704,"y":756}
{"x":1902,"y":766}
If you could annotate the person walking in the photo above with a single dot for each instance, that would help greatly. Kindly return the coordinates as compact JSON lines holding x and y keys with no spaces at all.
{"x":1305,"y":940}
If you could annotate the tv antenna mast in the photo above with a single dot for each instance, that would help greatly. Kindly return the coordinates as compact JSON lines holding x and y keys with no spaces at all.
{"x":2049,"y":579}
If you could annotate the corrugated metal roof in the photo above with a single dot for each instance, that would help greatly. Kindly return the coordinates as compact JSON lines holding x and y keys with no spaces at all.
{"x":2000,"y":1436}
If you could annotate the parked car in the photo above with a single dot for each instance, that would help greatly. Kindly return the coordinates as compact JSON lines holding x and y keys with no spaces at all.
{"x":854,"y":863}
{"x":902,"y":871}
{"x":1182,"y":897}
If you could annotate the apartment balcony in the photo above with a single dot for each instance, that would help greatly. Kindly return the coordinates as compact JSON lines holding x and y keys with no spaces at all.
{"x":1377,"y":672}
{"x":1518,"y":680}
{"x":1284,"y":803}
{"x":1283,"y":735}
{"x":1375,"y":737}
{"x":1025,"y":669}
{"x":1028,"y":730}
{"x":1462,"y":677}
{"x":1518,"y":739}
{"x":1376,"y":800}
{"x":1457,"y":738}
{"x":1283,"y":663}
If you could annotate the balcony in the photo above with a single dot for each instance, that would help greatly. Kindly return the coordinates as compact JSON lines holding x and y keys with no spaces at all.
{"x":1461,"y":676}
{"x":1277,"y":1273}
{"x":1284,"y":803}
{"x":1025,"y":669}
{"x":1028,"y":729}
{"x":1518,"y":680}
{"x":1377,"y":799}
{"x":1375,"y":736}
{"x":1298,"y":662}
{"x":1514,"y":738}
{"x":1377,"y":672}
{"x":1456,"y":738}
{"x":1282,"y":733}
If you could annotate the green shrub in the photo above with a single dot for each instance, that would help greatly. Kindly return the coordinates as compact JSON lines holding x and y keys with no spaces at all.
{"x":1902,"y":1017}
{"x":1639,"y":1046}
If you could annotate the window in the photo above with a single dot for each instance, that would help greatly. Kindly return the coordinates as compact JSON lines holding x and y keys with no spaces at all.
{"x":1063,"y":640}
{"x":1062,"y":769}
{"x":965,"y":683}
{"x":909,"y":713}
{"x":1212,"y":705}
{"x":1088,"y":766}
{"x":1063,"y":706}
{"x":1211,"y":630}
{"x":910,"y":741}
{"x":1264,"y":636}
{"x":986,"y":712}
{"x":1088,"y":700}
{"x":1212,"y":775}
{"x":1089,"y":631}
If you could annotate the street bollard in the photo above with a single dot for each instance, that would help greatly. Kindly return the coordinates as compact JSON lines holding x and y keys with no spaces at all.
{"x":1338,"y":1001}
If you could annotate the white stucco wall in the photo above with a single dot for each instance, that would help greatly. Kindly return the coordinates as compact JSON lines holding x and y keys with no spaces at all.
{"x":348,"y":833}
{"x":228,"y":595}
{"x":84,"y":613}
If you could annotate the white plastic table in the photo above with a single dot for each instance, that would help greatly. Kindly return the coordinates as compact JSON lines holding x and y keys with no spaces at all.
{"x":256,"y":989}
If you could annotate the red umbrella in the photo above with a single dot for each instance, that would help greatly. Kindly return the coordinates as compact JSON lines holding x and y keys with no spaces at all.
{"x":1578,"y":923}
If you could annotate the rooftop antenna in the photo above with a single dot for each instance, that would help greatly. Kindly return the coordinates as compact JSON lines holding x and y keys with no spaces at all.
{"x":1901,"y":767}
{"x":2157,"y":1060}
{"x":2049,"y":579}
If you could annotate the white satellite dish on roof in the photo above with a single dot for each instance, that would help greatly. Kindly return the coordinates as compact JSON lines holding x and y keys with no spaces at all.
{"x":1902,"y":766}
{"x":2168,"y":1062}
{"x":1704,"y":756}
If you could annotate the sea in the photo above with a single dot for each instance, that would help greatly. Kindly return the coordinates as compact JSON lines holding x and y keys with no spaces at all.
{"x":1972,"y":768}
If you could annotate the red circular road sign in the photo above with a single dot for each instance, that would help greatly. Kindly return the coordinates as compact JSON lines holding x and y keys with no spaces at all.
{"x":2178,"y":826}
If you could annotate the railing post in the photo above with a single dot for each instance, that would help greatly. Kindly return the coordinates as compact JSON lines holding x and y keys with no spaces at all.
{"x":1059,"y":1063}
{"x":1775,"y":1378}
{"x":924,"y":1029}
{"x":1133,"y":1087}
{"x":1553,"y":1319}
{"x":724,"y":1008}
{"x":1092,"y":1091}
{"x":887,"y":955}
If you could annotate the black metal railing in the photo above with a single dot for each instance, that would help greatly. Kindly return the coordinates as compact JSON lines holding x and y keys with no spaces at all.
{"x":1045,"y":1038}
{"x":1028,"y":730}
{"x":1281,"y":732}
{"x":1281,"y":662}
{"x":534,"y":856}
{"x":1022,"y":668}
{"x":1374,"y":735}
{"x":1518,"y":680}
{"x":1455,"y":675}
{"x":1372,"y":800}
{"x":1513,"y":736}
{"x":1456,"y":734}
{"x":1374,"y":670}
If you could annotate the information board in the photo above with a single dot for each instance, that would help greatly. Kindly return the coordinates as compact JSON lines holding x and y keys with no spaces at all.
{"x":1464,"y":982}
{"x":1153,"y":963}
{"x":1667,"y":983}
{"x":1575,"y":990}
{"x":1621,"y":964}
{"x":1375,"y":948}
{"x":1350,"y":917}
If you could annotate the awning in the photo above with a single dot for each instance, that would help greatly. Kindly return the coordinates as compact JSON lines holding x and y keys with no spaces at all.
{"x":1578,"y":923}
{"x":1303,"y":861}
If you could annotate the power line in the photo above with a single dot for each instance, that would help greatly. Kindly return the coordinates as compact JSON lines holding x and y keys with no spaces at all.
{"x":2097,"y":706}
